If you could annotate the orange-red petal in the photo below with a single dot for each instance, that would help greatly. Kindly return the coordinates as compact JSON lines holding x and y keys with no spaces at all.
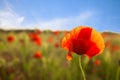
{"x":97,"y":38}
{"x":37,"y":54}
{"x":69,"y":57}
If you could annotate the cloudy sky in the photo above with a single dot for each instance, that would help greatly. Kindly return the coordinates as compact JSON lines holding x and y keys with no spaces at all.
{"x":103,"y":15}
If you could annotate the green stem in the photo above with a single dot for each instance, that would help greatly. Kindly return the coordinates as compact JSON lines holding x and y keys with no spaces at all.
{"x":117,"y":75}
{"x":80,"y":65}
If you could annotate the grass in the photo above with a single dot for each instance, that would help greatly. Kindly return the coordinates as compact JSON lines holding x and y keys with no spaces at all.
{"x":17,"y":61}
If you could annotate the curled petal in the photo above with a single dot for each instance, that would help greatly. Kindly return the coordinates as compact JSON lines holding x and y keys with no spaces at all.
{"x":69,"y":56}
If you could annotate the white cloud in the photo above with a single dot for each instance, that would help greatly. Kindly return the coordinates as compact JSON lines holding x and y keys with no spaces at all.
{"x":8,"y":18}
{"x":66,"y":23}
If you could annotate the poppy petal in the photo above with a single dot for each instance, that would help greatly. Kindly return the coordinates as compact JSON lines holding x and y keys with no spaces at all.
{"x":69,"y":57}
{"x":97,"y":38}
{"x":93,"y":51}
{"x":66,"y":42}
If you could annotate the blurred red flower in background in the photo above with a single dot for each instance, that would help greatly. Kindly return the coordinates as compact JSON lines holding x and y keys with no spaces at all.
{"x":83,"y":40}
{"x":56,"y":45}
{"x":10,"y":38}
{"x":35,"y":38}
{"x":38,"y":55}
{"x":32,"y":35}
{"x":115,"y":48}
{"x":50,"y":39}
{"x":107,"y":43}
{"x":56,"y":32}
{"x":97,"y":62}
{"x":104,"y":35}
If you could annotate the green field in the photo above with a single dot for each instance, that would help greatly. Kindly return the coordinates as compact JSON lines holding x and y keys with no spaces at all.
{"x":18,"y":61}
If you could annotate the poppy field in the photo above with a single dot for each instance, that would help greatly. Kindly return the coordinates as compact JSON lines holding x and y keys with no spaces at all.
{"x":39,"y":55}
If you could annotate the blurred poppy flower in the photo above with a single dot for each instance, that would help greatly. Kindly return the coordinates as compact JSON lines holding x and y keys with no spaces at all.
{"x":56,"y":32}
{"x":10,"y":38}
{"x":115,"y":48}
{"x":36,"y":38}
{"x":97,"y":62}
{"x":107,"y":43}
{"x":56,"y":45}
{"x":83,"y":40}
{"x":104,"y":35}
{"x":38,"y":54}
{"x":50,"y":39}
{"x":32,"y":35}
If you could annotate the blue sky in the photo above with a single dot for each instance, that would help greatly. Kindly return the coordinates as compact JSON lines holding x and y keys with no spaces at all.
{"x":103,"y":15}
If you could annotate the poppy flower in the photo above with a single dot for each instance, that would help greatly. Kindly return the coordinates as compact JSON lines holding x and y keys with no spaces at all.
{"x":35,"y":38}
{"x":10,"y":38}
{"x":38,"y":42}
{"x":32,"y":35}
{"x":97,"y":62}
{"x":56,"y":45}
{"x":108,"y":43}
{"x":104,"y":35}
{"x":115,"y":48}
{"x":83,"y":40}
{"x":50,"y":39}
{"x":56,"y":32}
{"x":37,"y":55}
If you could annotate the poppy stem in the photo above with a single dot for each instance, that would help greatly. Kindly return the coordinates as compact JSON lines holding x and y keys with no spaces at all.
{"x":80,"y":65}
{"x":117,"y":75}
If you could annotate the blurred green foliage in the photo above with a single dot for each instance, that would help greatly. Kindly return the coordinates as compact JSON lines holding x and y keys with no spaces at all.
{"x":17,"y":61}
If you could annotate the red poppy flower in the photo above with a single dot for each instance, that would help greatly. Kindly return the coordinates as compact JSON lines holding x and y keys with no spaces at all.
{"x":50,"y":39}
{"x":56,"y":45}
{"x":115,"y":48}
{"x":97,"y":62}
{"x":108,"y":43}
{"x":104,"y":35}
{"x":10,"y":38}
{"x":56,"y":32}
{"x":32,"y":35}
{"x":37,"y":55}
{"x":83,"y":40}
{"x":36,"y":38}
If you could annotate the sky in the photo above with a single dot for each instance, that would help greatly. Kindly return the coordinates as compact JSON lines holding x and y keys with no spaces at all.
{"x":102,"y":15}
